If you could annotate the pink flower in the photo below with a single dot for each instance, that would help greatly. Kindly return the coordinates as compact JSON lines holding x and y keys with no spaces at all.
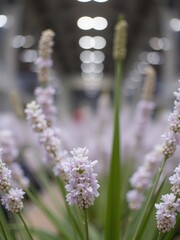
{"x":82,"y":185}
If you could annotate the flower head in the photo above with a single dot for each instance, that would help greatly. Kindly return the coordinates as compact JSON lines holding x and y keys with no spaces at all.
{"x":169,"y":146}
{"x":175,"y":181}
{"x":82,"y":185}
{"x":5,"y":178}
{"x":35,"y":117}
{"x":13,"y":200}
{"x":135,"y":199}
{"x":166,"y":213}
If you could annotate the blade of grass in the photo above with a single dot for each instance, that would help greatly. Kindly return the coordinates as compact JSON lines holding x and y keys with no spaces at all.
{"x":44,"y":235}
{"x":51,"y":216}
{"x":145,"y":213}
{"x":25,"y":226}
{"x":4,"y":225}
{"x":113,"y":209}
{"x":74,"y":219}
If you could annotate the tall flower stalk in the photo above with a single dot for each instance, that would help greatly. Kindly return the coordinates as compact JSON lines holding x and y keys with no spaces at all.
{"x":81,"y":184}
{"x":45,"y":92}
{"x":145,"y":106}
{"x":113,"y":207}
{"x":11,"y":198}
{"x":171,"y":140}
{"x":167,"y":210}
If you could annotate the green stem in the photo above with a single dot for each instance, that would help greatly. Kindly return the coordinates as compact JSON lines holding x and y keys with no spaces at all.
{"x":113,"y":208}
{"x":3,"y":231}
{"x":128,"y":228}
{"x":146,"y":207}
{"x":70,"y":214}
{"x":4,"y":223}
{"x":25,"y":225}
{"x":159,"y":236}
{"x":86,"y":224}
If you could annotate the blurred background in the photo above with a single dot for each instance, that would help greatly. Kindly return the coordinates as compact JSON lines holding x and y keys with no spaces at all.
{"x":83,"y":64}
{"x":83,"y":71}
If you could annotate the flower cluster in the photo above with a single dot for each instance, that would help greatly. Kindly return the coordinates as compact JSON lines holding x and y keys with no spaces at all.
{"x":167,"y":210}
{"x":45,"y":99}
{"x":171,"y":138}
{"x":175,"y":181}
{"x":145,"y":105}
{"x":35,"y":117}
{"x":142,"y":179}
{"x":82,"y":185}
{"x":44,"y":61}
{"x":46,"y":135}
{"x":11,"y":197}
{"x":45,"y":93}
{"x":10,"y":153}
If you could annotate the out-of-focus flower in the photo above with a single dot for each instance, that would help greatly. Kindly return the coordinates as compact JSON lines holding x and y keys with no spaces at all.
{"x":142,"y":178}
{"x":45,"y":99}
{"x":169,"y":146}
{"x":135,"y":199}
{"x":35,"y":117}
{"x":13,"y":200}
{"x":175,"y":181}
{"x":5,"y":178}
{"x":166,"y":213}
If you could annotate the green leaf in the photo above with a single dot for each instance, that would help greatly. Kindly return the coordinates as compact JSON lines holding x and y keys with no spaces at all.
{"x":146,"y":212}
{"x":113,"y":206}
{"x":44,"y":235}
{"x":73,"y":213}
{"x":51,"y":216}
{"x":4,"y":226}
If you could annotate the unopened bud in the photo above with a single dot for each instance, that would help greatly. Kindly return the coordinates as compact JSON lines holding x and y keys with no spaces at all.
{"x":120,"y":39}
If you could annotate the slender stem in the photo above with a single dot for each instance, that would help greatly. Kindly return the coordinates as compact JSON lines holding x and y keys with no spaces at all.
{"x":129,"y":221}
{"x":4,"y":232}
{"x":86,"y":224}
{"x":4,"y":223}
{"x":146,"y":207}
{"x":159,"y":236}
{"x":25,"y":225}
{"x":71,"y":216}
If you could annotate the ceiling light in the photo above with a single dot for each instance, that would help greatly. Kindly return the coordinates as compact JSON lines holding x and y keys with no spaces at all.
{"x":87,"y":56}
{"x":84,"y":0}
{"x":99,"y":42}
{"x":141,"y":67}
{"x":29,"y":41}
{"x":28,"y":56}
{"x":92,"y":56}
{"x":100,"y":0}
{"x":93,"y":0}
{"x":3,"y":20}
{"x":166,"y":44}
{"x":155,"y":58}
{"x":175,"y":24}
{"x":88,"y":42}
{"x":99,"y":57}
{"x":85,"y":23}
{"x":18,"y":41}
{"x":92,"y":67}
{"x":156,"y":43}
{"x":99,"y":23}
{"x":92,"y":76}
